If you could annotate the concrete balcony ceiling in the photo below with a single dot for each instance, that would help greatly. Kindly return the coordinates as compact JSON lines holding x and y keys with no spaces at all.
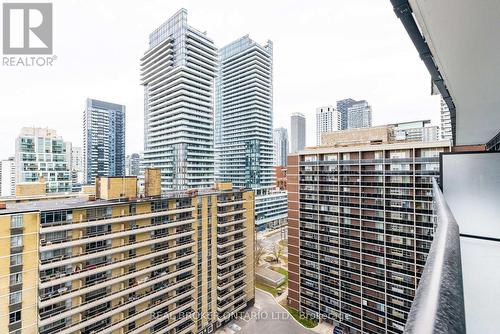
{"x":463,"y":37}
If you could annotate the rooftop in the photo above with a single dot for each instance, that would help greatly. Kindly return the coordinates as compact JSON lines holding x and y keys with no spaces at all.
{"x":49,"y":202}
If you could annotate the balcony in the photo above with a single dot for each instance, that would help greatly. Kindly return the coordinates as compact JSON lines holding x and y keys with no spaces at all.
{"x":438,"y":306}
{"x":63,"y":277}
{"x":459,"y":290}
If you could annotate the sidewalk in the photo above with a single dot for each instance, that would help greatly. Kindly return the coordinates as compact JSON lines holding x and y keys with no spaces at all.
{"x":323,"y":328}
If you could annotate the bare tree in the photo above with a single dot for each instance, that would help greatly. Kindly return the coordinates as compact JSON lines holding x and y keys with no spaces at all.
{"x":277,"y":251}
{"x":259,"y":251}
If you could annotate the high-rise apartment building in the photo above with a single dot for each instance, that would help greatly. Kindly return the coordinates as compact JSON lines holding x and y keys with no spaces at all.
{"x":103,"y":139}
{"x":181,"y":263}
{"x":244,"y":114}
{"x":328,"y":119}
{"x":7,"y":177}
{"x":298,"y":132}
{"x":359,"y":115}
{"x":342,"y":107}
{"x":132,"y":164}
{"x":280,"y":139}
{"x":177,"y":72}
{"x":446,"y":132}
{"x":360,"y":222}
{"x":41,"y":153}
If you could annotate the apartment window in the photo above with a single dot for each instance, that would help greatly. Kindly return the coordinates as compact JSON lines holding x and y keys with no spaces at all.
{"x":15,"y":298}
{"x":14,"y":317}
{"x":16,"y":260}
{"x":16,"y":241}
{"x":16,"y":278}
{"x":16,"y":221}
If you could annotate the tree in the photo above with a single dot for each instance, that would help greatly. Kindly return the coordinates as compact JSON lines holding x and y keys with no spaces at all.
{"x":259,"y":251}
{"x":277,"y":251}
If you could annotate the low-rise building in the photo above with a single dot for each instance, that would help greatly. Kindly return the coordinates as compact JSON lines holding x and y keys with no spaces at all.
{"x":271,"y":210}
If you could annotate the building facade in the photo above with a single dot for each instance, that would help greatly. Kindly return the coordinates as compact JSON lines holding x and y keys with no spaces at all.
{"x":280,"y":172}
{"x":177,"y":72}
{"x":270,"y":208}
{"x":360,"y":225}
{"x":280,"y":139}
{"x":7,"y":177}
{"x":41,"y":153}
{"x":132,"y":164}
{"x":328,"y":119}
{"x":416,"y":131}
{"x":446,"y":132}
{"x":359,"y":115}
{"x":244,"y":114}
{"x":298,"y":132}
{"x":77,"y":167}
{"x":342,"y":107}
{"x":181,"y":263}
{"x":103,"y":139}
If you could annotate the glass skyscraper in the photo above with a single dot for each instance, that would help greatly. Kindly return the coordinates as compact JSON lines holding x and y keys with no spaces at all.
{"x":177,"y":72}
{"x":298,"y":133}
{"x":244,"y":114}
{"x":354,"y":114}
{"x":280,"y":138}
{"x":342,"y":107}
{"x":103,"y":139}
{"x":359,"y":115}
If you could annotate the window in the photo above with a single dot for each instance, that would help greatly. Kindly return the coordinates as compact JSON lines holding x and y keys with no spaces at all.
{"x":16,"y":260}
{"x":16,"y":241}
{"x":14,"y":317}
{"x":16,"y":278}
{"x":15,"y":298}
{"x":16,"y":221}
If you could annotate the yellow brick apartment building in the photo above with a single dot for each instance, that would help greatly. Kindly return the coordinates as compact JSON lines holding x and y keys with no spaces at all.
{"x":118,"y":263}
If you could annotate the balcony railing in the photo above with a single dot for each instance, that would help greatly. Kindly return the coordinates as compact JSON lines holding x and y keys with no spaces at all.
{"x":438,"y":306}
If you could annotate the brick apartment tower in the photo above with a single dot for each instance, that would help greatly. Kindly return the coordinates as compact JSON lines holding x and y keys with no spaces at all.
{"x":360,"y":225}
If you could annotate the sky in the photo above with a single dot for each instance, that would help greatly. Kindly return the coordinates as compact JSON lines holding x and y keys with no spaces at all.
{"x":324,"y":51}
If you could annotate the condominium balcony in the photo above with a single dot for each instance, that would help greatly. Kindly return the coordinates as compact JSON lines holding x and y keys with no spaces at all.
{"x":228,"y":232}
{"x":153,"y":307}
{"x":153,"y":270}
{"x":226,"y":273}
{"x":121,"y":306}
{"x":76,"y":241}
{"x":226,"y":253}
{"x":225,"y":305}
{"x":230,"y":212}
{"x":231,"y":291}
{"x":438,"y":306}
{"x":458,"y":289}
{"x":229,"y":241}
{"x":229,"y":222}
{"x":226,"y":262}
{"x":222,"y":285}
{"x":236,"y":307}
{"x":230,"y":202}
{"x":112,"y":295}
{"x":76,"y":223}
{"x":78,"y":272}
